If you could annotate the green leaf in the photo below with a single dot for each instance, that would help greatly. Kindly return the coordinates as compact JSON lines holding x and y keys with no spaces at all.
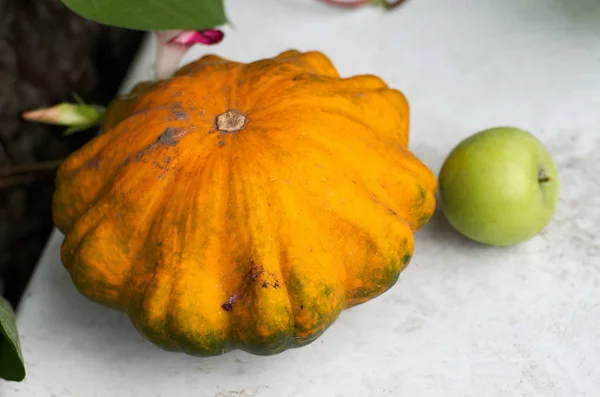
{"x":152,"y":14}
{"x":12,"y":366}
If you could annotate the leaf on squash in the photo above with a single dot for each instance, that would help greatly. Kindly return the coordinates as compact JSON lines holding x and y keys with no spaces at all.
{"x":12,"y":366}
{"x":152,"y":15}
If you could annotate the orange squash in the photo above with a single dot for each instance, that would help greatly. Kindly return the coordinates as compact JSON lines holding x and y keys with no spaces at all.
{"x":244,"y":205}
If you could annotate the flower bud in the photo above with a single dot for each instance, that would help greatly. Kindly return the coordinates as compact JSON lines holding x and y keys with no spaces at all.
{"x":76,"y":116}
{"x":173,"y":44}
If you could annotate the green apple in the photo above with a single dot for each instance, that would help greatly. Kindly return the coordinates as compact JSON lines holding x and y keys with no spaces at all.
{"x":499,"y":186}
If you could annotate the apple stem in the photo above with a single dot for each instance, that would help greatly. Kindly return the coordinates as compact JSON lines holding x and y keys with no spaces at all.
{"x":542,"y":177}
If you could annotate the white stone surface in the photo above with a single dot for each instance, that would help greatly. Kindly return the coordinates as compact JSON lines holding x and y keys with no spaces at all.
{"x":464,"y":320}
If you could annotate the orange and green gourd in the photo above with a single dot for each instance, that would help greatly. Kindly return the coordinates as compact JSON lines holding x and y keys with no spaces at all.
{"x":244,"y":205}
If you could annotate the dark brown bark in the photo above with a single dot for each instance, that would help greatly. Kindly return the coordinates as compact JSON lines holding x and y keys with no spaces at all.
{"x":47,"y":53}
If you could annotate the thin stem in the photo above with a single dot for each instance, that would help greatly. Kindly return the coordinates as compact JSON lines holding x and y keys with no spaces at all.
{"x":346,"y":4}
{"x":30,"y":168}
{"x":26,"y":173}
{"x":388,"y":5}
{"x":391,"y":5}
{"x":15,"y":181}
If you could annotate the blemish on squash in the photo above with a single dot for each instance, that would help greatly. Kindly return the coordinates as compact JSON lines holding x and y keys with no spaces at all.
{"x":94,"y":164}
{"x":422,"y":196}
{"x":255,"y":272}
{"x":376,"y":199}
{"x":169,"y":137}
{"x":406,"y":258}
{"x":126,"y":161}
{"x":254,"y":275}
{"x":228,"y":306}
{"x":164,"y":164}
{"x":180,"y":115}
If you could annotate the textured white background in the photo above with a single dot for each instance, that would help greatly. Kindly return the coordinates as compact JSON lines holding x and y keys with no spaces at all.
{"x":464,"y":320}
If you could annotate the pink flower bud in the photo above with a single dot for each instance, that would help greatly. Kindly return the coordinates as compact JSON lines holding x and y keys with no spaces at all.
{"x":76,"y":116}
{"x":191,"y":37}
{"x":173,"y":44}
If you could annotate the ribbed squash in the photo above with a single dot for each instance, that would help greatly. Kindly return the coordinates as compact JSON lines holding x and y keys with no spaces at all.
{"x":244,"y":205}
